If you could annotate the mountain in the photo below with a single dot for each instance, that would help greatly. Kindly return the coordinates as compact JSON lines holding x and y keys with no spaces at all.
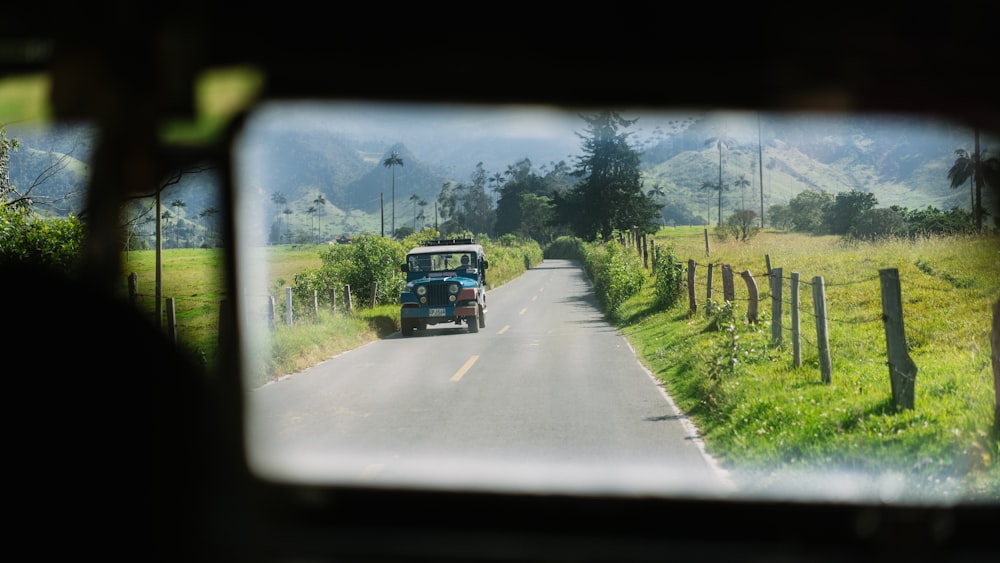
{"x":304,"y":151}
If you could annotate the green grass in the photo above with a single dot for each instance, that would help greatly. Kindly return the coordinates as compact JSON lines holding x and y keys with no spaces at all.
{"x":193,"y":278}
{"x":762,"y":416}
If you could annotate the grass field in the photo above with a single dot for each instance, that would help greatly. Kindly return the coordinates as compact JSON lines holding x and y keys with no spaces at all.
{"x":760,"y":415}
{"x":193,"y":278}
{"x":767,"y":418}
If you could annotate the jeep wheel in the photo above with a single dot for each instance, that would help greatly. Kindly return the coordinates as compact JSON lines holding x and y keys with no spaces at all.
{"x":406,"y":327}
{"x":473,"y":323}
{"x":482,"y":317}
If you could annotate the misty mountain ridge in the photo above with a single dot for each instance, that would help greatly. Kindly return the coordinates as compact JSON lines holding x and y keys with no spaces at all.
{"x":902,"y":161}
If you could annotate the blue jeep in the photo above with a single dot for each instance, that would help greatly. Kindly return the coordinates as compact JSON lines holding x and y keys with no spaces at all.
{"x":445,"y":283}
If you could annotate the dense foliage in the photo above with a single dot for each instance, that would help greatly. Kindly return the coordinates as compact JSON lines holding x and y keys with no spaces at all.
{"x":372,"y":263}
{"x":616,"y":272}
{"x":609,"y":196}
{"x":856,"y":215}
{"x":28,"y":238}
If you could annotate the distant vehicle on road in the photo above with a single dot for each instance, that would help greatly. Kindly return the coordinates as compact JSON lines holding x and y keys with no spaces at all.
{"x":445,"y":283}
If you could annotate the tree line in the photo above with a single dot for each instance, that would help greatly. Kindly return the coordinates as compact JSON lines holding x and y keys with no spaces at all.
{"x":600,"y":193}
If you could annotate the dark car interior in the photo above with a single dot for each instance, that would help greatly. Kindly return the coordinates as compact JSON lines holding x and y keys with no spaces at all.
{"x":143,"y":456}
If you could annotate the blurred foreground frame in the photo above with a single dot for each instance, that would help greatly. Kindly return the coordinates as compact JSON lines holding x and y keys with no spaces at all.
{"x":130,"y":76}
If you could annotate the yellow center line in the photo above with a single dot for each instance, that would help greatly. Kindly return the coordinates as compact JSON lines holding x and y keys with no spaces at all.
{"x":468,"y":364}
{"x":522,"y":311}
{"x":503,"y":330}
{"x":534,"y":298}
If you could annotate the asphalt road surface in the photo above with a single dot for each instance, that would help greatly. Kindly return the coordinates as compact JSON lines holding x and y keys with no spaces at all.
{"x":549,"y":397}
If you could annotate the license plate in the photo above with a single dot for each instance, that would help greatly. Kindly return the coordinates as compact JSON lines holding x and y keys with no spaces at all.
{"x":436,"y":312}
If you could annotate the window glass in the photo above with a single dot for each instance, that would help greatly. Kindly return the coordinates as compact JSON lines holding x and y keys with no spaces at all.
{"x":805,"y":313}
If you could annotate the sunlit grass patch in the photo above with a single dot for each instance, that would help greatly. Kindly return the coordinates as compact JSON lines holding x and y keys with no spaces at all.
{"x":764,"y":417}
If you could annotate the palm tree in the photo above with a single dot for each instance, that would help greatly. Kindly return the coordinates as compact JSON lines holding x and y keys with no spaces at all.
{"x":177,"y":204}
{"x":719,"y":141}
{"x":656,"y":191}
{"x":320,"y":203}
{"x":391,"y":163}
{"x":720,"y":187}
{"x":497,"y":180}
{"x":165,"y":218}
{"x":417,"y":202}
{"x":208,"y":215}
{"x":760,"y":159}
{"x":979,"y":169}
{"x":312,"y":212}
{"x":279,"y":200}
{"x":288,"y":213}
{"x":742,"y":183}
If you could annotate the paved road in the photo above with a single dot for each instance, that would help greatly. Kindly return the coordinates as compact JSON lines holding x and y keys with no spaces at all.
{"x":548,"y":397}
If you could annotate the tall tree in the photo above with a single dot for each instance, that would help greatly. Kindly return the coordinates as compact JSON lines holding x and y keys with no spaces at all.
{"x":980,"y":169}
{"x":312,"y":212}
{"x":177,"y":204}
{"x":720,"y":141}
{"x":208,"y":214}
{"x":279,"y":200}
{"x":609,"y":196}
{"x":742,"y":183}
{"x":521,"y":180}
{"x":709,"y":185}
{"x":320,"y":203}
{"x":391,"y":163}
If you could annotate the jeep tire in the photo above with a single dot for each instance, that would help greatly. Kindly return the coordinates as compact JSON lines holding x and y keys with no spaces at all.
{"x":406,"y":327}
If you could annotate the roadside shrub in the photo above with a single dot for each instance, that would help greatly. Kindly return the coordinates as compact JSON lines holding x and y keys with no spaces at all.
{"x":28,"y":238}
{"x":566,"y":248}
{"x":369,"y":259}
{"x":668,"y":274}
{"x":617,"y":274}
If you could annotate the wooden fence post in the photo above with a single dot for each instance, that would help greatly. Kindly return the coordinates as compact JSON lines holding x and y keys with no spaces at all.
{"x":645,"y":253}
{"x":348,"y":300}
{"x":753,"y":303}
{"x":822,"y":339}
{"x":707,"y":253}
{"x":315,"y":304}
{"x":374,"y":293}
{"x":333,"y":300}
{"x":796,"y":333}
{"x":288,"y":306}
{"x":270,"y":311}
{"x":776,"y":305}
{"x":692,"y":302}
{"x":728,"y":289}
{"x":711,"y":268}
{"x":902,"y":370}
{"x":171,"y":320}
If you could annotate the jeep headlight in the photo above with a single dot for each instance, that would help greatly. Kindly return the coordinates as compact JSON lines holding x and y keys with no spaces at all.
{"x":421,"y":290}
{"x":453,"y":288}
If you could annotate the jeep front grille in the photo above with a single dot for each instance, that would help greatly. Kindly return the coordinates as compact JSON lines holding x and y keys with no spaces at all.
{"x":437,"y":294}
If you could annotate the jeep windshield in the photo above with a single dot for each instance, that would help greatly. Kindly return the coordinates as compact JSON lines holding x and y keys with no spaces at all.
{"x":441,"y":262}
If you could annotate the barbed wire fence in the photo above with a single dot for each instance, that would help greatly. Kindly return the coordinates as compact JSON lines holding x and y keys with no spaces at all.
{"x":901,"y":368}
